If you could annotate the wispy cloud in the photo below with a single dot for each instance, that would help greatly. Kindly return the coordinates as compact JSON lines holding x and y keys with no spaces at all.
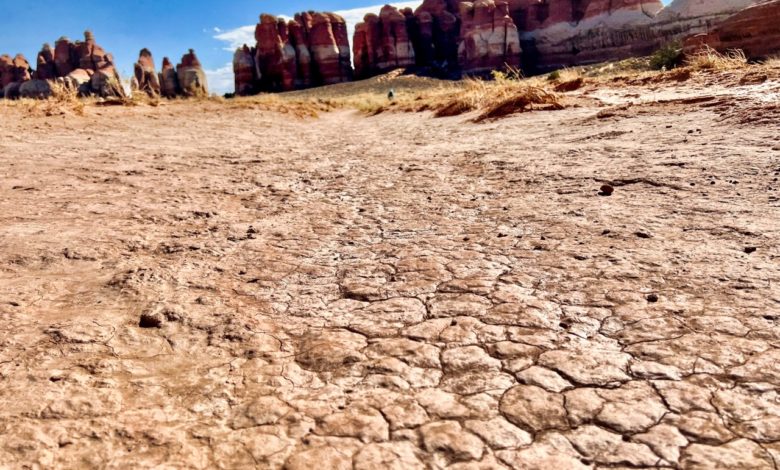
{"x":221,"y":79}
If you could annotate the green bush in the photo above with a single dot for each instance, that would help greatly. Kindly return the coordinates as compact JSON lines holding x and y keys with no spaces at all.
{"x":554,"y":76}
{"x":667,"y":57}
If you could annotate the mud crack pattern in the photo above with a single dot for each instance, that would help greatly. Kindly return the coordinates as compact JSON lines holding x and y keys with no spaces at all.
{"x":392,"y":292}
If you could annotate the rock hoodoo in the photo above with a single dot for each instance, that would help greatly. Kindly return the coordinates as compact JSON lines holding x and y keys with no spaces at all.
{"x":169,"y":83}
{"x":145,"y":78}
{"x":755,"y":30}
{"x":244,"y":71}
{"x":383,"y":42}
{"x":310,"y":50}
{"x":191,"y":77}
{"x":187,"y":79}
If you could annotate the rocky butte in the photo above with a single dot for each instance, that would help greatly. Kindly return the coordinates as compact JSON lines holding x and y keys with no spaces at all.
{"x":448,"y":38}
{"x":83,"y":66}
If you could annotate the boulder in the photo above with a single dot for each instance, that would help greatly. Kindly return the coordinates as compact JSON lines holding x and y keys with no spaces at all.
{"x":755,"y":30}
{"x":11,"y":91}
{"x":105,"y":82}
{"x":489,"y":39}
{"x":244,"y":71}
{"x":191,"y":77}
{"x":145,"y":77}
{"x":79,"y":80}
{"x":36,"y":89}
{"x":169,"y":82}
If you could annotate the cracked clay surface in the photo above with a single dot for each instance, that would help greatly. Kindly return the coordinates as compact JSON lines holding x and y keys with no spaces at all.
{"x":247,"y":290}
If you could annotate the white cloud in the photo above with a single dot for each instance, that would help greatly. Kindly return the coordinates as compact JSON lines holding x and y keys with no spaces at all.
{"x":221,"y":80}
{"x":237,"y":37}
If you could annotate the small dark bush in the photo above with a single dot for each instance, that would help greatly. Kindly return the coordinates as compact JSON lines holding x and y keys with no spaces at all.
{"x":668,"y":57}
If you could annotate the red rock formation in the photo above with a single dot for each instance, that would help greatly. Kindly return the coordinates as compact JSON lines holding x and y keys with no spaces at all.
{"x":65,"y":57}
{"x":145,"y":77}
{"x":14,"y":73}
{"x":91,"y":56}
{"x":383,"y":43}
{"x":328,"y":56}
{"x":489,"y":39}
{"x":299,"y":38}
{"x":191,"y":77}
{"x":275,"y":55}
{"x":312,"y":49}
{"x":341,"y":35}
{"x":244,"y":71}
{"x":755,"y":30}
{"x":6,"y":71}
{"x":559,"y":33}
{"x":169,"y":82}
{"x":438,"y":35}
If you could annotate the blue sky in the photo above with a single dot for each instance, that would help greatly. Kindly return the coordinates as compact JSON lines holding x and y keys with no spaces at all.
{"x":167,"y":27}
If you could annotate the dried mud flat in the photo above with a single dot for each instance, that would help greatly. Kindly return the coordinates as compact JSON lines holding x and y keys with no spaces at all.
{"x":190,"y":286}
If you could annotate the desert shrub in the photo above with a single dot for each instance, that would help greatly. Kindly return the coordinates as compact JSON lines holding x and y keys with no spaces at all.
{"x":554,"y":76}
{"x":667,"y":57}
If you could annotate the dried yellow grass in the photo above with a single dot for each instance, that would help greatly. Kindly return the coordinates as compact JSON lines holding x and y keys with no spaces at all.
{"x":710,"y":59}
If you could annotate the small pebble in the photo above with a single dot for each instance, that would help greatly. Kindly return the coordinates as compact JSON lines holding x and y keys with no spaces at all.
{"x":606,"y":190}
{"x":750,"y":249}
{"x":652,"y":298}
{"x":151,"y":320}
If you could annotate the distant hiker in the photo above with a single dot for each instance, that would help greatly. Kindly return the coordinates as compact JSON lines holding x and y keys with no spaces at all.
{"x":391,"y":95}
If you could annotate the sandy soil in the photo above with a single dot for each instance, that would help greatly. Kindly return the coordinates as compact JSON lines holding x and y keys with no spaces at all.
{"x":190,"y":286}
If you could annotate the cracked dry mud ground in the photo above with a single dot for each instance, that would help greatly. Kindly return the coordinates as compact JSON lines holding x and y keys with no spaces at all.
{"x":389,"y":292}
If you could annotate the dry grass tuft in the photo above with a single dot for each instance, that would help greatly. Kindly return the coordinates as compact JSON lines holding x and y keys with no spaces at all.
{"x":710,"y":59}
{"x":63,"y":100}
{"x":522,"y":100}
{"x":570,"y":85}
